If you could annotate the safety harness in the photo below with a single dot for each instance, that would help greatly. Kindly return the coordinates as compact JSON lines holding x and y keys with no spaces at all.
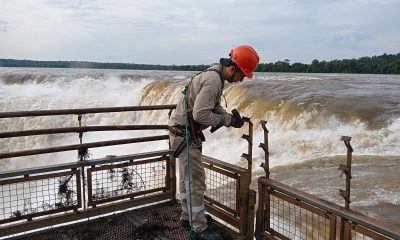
{"x":196,"y":137}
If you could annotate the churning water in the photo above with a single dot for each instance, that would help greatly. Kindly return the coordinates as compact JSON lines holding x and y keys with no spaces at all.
{"x":306,"y":114}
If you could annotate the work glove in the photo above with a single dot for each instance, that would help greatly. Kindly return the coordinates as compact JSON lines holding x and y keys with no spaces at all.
{"x":236,"y":119}
{"x":225,"y":120}
{"x":229,"y":120}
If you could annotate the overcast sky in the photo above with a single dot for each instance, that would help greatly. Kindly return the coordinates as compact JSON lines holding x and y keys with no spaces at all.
{"x":197,"y":32}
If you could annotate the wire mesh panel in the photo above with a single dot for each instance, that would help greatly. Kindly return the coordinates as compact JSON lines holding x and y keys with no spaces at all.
{"x":222,"y":188}
{"x":288,"y":213}
{"x":294,"y":220}
{"x":362,"y":233}
{"x":32,"y":196}
{"x":126,"y":180}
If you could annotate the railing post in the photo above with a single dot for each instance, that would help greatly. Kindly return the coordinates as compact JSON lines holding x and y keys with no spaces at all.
{"x":260,"y":218}
{"x":170,"y":178}
{"x":172,"y":168}
{"x":249,"y":138}
{"x":245,"y":205}
{"x":265,"y":147}
{"x":81,"y":155}
{"x":250,"y":219}
{"x":345,"y":230}
{"x":263,"y":212}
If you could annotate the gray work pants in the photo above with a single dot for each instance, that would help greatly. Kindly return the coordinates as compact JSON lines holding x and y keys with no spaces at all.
{"x":198,"y":185}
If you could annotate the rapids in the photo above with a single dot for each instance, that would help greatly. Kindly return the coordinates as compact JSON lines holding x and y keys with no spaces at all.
{"x":306,"y":114}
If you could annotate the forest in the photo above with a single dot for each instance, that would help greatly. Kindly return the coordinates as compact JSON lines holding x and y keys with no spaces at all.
{"x":383,"y":64}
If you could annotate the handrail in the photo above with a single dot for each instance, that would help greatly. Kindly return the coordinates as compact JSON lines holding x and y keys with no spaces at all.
{"x":224,"y":164}
{"x":91,"y":162}
{"x":84,"y":111}
{"x":82,"y":180}
{"x":82,"y":146}
{"x":355,"y":217}
{"x":80,"y":130}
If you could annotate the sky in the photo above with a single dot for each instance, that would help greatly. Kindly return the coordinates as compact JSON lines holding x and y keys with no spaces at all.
{"x":197,"y":32}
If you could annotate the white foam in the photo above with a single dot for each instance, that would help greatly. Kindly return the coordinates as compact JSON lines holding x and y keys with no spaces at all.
{"x":309,"y":135}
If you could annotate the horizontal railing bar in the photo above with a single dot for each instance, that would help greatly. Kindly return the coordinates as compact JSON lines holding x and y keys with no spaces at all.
{"x":35,"y":178}
{"x":126,"y":164}
{"x":220,"y":205}
{"x":224,"y":165}
{"x":72,"y":165}
{"x":332,"y":208}
{"x":84,"y":111}
{"x":221,"y":171}
{"x":234,"y":221}
{"x":367,"y":232}
{"x":131,"y":195}
{"x":80,"y":129}
{"x":129,"y":157}
{"x":37,"y":170}
{"x":82,"y":146}
{"x":38,"y":214}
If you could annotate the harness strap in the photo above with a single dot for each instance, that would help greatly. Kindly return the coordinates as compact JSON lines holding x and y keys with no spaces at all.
{"x":178,"y":131}
{"x":192,"y":234}
{"x":196,"y":135}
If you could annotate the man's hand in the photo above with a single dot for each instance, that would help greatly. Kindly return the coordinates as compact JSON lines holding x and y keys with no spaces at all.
{"x":236,"y":119}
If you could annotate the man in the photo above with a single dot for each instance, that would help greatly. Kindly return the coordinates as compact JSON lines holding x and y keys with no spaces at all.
{"x":201,"y":102}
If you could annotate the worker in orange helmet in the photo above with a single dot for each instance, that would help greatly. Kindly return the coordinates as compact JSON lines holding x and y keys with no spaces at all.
{"x":201,"y":105}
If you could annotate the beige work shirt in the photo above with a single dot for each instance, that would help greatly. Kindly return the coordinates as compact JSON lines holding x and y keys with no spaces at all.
{"x":205,"y":96}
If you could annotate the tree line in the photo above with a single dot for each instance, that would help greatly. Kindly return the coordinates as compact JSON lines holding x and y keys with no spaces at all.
{"x":383,"y":64}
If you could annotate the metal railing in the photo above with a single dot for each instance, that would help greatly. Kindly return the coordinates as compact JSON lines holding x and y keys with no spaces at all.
{"x":42,"y":196}
{"x":228,"y":195}
{"x":28,"y":197}
{"x":38,"y":197}
{"x":287,"y":213}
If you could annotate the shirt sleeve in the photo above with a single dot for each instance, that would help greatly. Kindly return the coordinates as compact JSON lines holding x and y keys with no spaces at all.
{"x":204,"y":106}
{"x":218,"y":109}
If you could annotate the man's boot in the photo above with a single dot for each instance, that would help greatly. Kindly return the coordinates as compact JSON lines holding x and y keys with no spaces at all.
{"x":208,"y":234}
{"x":186,"y":224}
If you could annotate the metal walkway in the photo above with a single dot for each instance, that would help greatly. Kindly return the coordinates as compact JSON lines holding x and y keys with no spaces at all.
{"x":159,"y":221}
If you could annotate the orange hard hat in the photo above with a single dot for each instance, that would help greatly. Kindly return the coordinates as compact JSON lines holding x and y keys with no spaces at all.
{"x":246,"y":58}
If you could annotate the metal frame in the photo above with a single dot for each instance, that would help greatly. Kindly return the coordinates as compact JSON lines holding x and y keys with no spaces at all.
{"x":349,"y":220}
{"x":356,"y":229}
{"x":84,"y":111}
{"x":47,"y":218}
{"x":27,"y":178}
{"x":241,"y":217}
{"x":89,"y":173}
{"x":359,"y":222}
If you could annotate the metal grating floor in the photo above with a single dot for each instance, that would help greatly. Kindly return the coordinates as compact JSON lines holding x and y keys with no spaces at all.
{"x":159,"y":221}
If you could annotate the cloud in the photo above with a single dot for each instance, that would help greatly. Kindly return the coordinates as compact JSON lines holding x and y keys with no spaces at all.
{"x":183,"y":32}
{"x":3,"y":26}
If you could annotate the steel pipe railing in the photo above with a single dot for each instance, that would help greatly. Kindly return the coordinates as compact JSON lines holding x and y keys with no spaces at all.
{"x":81,"y":130}
{"x":82,"y":146}
{"x":342,"y":212}
{"x":84,"y":111}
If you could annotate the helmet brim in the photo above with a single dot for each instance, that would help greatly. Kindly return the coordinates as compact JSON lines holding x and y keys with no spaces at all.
{"x":248,"y":74}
